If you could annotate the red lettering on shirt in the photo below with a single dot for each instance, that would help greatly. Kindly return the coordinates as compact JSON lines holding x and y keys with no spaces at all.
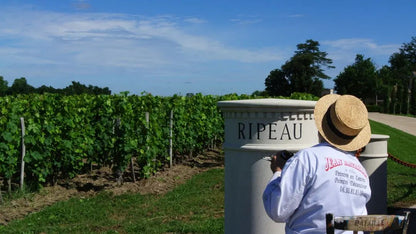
{"x":356,"y":167}
{"x":332,"y":163}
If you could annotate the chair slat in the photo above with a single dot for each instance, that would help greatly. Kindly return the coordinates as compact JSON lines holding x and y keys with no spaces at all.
{"x":369,"y":223}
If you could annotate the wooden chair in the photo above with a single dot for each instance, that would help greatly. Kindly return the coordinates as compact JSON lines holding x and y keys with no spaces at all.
{"x":367,"y":223}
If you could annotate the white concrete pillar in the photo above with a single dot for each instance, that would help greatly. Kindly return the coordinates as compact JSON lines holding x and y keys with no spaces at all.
{"x":255,"y":129}
{"x":374,"y":160}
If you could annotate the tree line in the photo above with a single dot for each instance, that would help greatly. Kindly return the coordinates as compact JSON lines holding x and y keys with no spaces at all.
{"x":390,"y":89}
{"x":20,"y":86}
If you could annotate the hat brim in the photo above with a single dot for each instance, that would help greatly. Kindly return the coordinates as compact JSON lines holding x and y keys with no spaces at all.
{"x":358,"y":142}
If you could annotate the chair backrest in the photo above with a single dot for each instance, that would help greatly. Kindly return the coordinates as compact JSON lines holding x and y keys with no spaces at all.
{"x":368,"y":223}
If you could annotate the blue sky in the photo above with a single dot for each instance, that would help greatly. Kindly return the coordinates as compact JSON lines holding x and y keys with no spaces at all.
{"x":168,"y":47}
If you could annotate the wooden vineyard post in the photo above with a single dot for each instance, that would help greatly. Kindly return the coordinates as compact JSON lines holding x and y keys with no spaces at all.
{"x":170,"y":138}
{"x":22,"y":167}
{"x":132,"y":169}
{"x":147,"y":116}
{"x":212,"y":140}
{"x":1,"y":195}
{"x":116,"y":131}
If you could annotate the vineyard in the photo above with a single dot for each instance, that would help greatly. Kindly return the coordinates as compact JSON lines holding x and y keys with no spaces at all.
{"x":59,"y":137}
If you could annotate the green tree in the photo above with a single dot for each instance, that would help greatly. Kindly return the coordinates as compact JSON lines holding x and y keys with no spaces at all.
{"x":358,"y":79}
{"x":259,"y":93}
{"x":20,"y":86}
{"x":409,"y":52}
{"x":77,"y":88}
{"x":305,"y":68}
{"x":47,"y":89}
{"x":3,"y":86}
{"x":385,"y":88}
{"x":403,"y":65}
{"x":97,"y":90}
{"x":277,"y":84}
{"x":303,"y":72}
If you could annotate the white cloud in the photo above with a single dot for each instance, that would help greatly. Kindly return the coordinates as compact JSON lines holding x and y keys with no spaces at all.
{"x":195,"y":20}
{"x":24,"y":56}
{"x":117,"y":40}
{"x":246,"y":21}
{"x":343,"y":52}
{"x":296,"y":16}
{"x":349,"y":47}
{"x":140,"y":52}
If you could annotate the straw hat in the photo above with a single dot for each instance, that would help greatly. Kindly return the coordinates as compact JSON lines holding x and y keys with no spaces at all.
{"x":343,"y":121}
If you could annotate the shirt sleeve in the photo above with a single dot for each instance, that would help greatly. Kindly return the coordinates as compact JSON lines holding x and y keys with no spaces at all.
{"x":284,"y":193}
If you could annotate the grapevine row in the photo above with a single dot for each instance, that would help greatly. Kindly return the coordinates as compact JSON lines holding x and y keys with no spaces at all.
{"x":65,"y":134}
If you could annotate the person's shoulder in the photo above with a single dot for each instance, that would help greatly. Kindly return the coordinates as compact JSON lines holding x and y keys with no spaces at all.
{"x":312,"y":156}
{"x":317,"y":149}
{"x":316,"y":152}
{"x":324,"y":149}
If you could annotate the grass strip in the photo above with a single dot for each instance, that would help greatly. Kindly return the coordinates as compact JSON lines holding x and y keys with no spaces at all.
{"x":194,"y":207}
{"x":401,"y":180}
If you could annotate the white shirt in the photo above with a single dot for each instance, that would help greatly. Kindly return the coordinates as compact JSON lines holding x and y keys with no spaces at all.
{"x":316,"y":181}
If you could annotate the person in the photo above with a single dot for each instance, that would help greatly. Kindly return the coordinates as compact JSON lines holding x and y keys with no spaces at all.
{"x":327,"y":177}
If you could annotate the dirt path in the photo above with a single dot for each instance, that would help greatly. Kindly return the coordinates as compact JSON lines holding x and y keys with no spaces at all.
{"x":88,"y":185}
